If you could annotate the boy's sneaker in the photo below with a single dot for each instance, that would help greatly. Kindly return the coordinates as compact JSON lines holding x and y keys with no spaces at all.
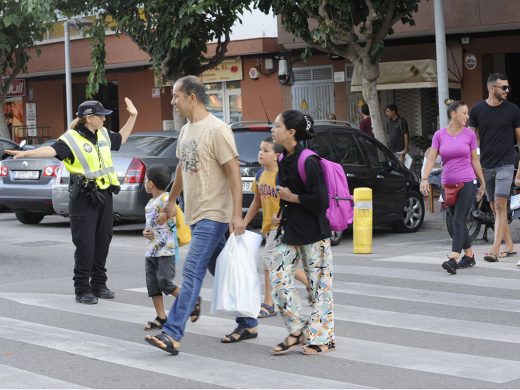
{"x":466,"y":262}
{"x":450,"y":266}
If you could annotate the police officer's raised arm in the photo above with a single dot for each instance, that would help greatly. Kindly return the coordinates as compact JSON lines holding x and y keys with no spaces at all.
{"x":129,"y":125}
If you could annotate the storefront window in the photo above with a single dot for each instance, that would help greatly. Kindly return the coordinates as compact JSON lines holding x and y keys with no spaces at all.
{"x":225,"y":100}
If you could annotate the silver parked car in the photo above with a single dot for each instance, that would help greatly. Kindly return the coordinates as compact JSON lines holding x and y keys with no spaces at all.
{"x":26,"y":186}
{"x":130,"y":162}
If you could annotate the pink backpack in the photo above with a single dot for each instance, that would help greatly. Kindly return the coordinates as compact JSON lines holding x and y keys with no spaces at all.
{"x":340,"y":211}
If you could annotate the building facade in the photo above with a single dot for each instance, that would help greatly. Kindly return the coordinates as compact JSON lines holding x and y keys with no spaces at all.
{"x":265,"y":75}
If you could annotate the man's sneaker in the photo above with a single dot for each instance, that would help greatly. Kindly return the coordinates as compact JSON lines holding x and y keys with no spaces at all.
{"x":104,"y":293}
{"x":450,"y":266}
{"x":466,"y":262}
{"x":87,"y":299}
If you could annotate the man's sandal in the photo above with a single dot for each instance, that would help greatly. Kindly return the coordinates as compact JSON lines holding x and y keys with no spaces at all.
{"x":294,"y":340}
{"x":319,"y":349}
{"x":155,"y":324}
{"x":195,"y":314}
{"x":240,"y":334}
{"x":164,"y":342}
{"x":266,"y":311}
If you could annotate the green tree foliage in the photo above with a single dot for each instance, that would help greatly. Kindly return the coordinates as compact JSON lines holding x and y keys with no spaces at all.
{"x":352,"y":29}
{"x":22,"y":23}
{"x":174,"y":33}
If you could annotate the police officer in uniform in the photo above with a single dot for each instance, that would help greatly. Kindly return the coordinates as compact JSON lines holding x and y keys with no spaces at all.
{"x":85,"y":150}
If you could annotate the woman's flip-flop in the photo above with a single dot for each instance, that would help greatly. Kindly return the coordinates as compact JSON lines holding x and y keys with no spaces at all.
{"x":507,"y":254}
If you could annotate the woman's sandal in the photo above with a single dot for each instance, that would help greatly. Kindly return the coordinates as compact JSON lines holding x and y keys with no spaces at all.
{"x":319,"y":349}
{"x":239,"y":334}
{"x":195,"y":314}
{"x":266,"y":311}
{"x":164,"y":342}
{"x":491,"y":257}
{"x":155,"y":324}
{"x":292,"y":341}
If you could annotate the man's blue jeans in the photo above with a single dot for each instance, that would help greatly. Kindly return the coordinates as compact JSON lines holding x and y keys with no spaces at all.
{"x":207,"y":240}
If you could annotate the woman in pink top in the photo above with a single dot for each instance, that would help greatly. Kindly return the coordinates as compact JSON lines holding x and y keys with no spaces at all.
{"x":457,"y":146}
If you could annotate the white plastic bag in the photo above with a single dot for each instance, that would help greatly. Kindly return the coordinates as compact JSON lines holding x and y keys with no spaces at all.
{"x":236,"y":288}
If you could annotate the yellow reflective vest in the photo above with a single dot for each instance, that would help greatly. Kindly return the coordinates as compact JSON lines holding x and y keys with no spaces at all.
{"x":92,"y":161}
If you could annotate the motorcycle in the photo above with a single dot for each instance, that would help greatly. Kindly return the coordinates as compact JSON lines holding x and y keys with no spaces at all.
{"x":481,"y":215}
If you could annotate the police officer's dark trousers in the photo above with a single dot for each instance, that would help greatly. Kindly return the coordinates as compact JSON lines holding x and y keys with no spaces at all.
{"x":91,"y":234}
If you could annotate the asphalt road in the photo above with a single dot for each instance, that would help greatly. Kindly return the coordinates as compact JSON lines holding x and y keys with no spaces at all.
{"x":401,"y":321}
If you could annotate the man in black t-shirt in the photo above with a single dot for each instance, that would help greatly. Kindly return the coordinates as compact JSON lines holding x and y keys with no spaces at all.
{"x":497,"y":123}
{"x":398,"y":134}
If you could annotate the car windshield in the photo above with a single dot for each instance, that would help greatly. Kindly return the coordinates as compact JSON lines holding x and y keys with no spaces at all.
{"x":148,"y":145}
{"x":248,"y":143}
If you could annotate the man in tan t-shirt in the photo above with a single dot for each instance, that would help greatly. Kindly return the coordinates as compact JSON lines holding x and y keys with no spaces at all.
{"x":209,"y":176}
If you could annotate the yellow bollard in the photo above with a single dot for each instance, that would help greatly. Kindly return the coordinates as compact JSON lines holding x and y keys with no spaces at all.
{"x":363,"y":220}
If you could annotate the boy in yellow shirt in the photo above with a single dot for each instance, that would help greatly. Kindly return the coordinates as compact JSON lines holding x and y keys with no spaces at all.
{"x":266,"y":197}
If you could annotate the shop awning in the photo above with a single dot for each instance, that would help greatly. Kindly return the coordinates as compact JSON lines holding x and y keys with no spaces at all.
{"x":406,"y":75}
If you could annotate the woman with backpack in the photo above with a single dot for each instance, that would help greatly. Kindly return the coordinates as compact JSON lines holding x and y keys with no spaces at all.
{"x":303,"y":235}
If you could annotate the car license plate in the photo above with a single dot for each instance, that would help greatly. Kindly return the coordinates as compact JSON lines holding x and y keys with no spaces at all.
{"x":246,"y":186}
{"x":26,"y":175}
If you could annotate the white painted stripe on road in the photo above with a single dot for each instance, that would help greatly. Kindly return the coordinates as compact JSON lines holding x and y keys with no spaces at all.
{"x":144,"y":357}
{"x":15,"y":378}
{"x":418,"y":322}
{"x":435,"y":258}
{"x":430,"y":276}
{"x":427,"y":296}
{"x":447,"y":240}
{"x":438,"y":362}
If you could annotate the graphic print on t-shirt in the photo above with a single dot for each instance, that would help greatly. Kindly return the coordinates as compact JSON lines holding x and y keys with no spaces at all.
{"x":190,"y":156}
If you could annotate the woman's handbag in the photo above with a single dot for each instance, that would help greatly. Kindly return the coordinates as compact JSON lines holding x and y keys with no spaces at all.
{"x":451,"y":192}
{"x":183,"y":230}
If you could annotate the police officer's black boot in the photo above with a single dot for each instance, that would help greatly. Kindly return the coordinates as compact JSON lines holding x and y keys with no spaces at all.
{"x":87,"y":298}
{"x":104,"y":293}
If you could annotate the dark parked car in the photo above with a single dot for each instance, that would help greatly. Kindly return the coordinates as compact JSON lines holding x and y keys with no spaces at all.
{"x":130,"y":162}
{"x":397,"y":200}
{"x":26,"y":186}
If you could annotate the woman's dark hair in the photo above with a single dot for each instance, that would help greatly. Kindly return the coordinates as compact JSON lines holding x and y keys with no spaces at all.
{"x":365,"y":110}
{"x":302,"y":123}
{"x":160,"y":175}
{"x":453,"y":105}
{"x":192,"y":85}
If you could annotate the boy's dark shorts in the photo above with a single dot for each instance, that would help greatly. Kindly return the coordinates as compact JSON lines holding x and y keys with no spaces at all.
{"x":160,"y":272}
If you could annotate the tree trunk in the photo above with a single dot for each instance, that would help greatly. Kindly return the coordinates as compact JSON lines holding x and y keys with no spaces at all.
{"x":369,"y":91}
{"x":4,"y":130}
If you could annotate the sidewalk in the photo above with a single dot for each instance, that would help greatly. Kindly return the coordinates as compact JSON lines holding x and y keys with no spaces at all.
{"x":434,"y":221}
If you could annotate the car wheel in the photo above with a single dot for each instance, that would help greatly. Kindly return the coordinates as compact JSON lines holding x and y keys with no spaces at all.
{"x":335,"y":238}
{"x":413,"y":214}
{"x":29,"y":218}
{"x":472,"y":223}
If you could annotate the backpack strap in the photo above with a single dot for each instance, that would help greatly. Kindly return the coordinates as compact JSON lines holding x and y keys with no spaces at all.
{"x":301,"y":163}
{"x":258,"y":174}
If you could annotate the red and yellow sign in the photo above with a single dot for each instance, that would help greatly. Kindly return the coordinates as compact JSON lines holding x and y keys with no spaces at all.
{"x":229,"y":70}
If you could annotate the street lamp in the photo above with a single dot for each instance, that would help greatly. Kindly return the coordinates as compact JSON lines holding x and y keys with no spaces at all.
{"x":78,"y":24}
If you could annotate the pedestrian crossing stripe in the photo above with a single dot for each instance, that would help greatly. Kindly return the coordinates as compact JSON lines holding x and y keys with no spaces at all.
{"x":392,"y":355}
{"x":15,"y":378}
{"x":141,"y":356}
